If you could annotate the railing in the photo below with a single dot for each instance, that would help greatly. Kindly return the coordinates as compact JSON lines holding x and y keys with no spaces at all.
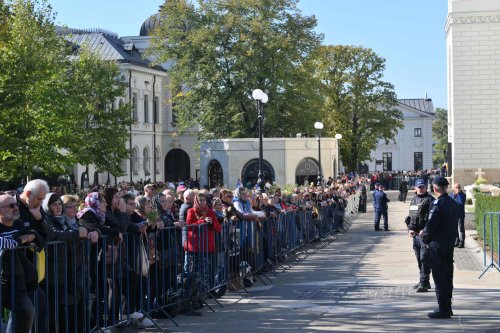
{"x":491,"y":235}
{"x":84,"y":287}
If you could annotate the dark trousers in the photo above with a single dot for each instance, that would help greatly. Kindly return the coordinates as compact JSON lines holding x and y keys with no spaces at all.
{"x":422,"y":255}
{"x":378,"y":215}
{"x":461,"y":230}
{"x":441,"y":262}
{"x":23,"y":311}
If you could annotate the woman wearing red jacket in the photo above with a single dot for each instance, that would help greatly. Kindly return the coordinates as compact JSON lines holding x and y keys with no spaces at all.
{"x":201,"y":223}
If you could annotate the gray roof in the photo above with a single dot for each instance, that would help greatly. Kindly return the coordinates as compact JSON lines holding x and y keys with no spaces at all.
{"x":420,"y":104}
{"x":107,"y":45}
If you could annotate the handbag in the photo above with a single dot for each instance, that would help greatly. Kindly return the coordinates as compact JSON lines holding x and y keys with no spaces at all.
{"x":142,"y":261}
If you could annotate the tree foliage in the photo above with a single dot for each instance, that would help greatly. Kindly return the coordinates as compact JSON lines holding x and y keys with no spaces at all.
{"x":220,"y":50}
{"x":47,"y":95}
{"x":440,"y":135}
{"x":357,"y":102}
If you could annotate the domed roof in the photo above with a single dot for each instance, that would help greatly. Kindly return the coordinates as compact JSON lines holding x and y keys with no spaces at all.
{"x":150,"y":24}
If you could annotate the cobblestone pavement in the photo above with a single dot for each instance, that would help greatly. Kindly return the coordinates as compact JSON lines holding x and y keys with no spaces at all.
{"x":362,"y":282}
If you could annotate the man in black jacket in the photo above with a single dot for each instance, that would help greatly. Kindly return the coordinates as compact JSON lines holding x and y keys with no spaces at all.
{"x":417,"y":219}
{"x":440,"y":234}
{"x":22,"y":283}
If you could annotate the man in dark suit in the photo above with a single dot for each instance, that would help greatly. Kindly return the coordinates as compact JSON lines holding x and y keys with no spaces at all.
{"x":380,"y":201}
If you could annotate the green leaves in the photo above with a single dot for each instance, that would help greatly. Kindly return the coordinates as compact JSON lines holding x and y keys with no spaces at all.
{"x":48,"y":97}
{"x":223,"y":50}
{"x":440,"y":135}
{"x":357,"y":103}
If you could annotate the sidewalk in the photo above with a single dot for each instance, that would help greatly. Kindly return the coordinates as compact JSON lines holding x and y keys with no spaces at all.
{"x":361,"y":282}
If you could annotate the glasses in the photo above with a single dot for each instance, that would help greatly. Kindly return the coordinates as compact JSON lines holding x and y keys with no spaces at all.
{"x":11,"y":206}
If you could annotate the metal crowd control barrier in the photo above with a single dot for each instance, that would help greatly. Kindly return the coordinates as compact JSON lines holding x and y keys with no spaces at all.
{"x":84,"y":287}
{"x":491,"y":221}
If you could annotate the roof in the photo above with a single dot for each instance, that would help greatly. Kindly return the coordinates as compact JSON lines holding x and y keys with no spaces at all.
{"x":107,"y":45}
{"x":420,"y":104}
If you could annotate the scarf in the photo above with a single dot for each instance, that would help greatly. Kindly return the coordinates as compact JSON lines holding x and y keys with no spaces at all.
{"x":201,"y":212}
{"x":92,"y":204}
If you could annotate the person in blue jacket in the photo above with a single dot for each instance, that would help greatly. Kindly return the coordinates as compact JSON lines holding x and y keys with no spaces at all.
{"x":380,"y":201}
{"x":459,"y":196}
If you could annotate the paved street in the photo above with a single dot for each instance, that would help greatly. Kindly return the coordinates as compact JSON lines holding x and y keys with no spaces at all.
{"x":361,"y":282}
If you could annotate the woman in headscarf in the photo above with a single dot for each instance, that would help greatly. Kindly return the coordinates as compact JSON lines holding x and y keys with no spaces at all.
{"x":202,"y":224}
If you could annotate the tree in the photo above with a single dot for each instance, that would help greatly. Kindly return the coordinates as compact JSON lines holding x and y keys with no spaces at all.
{"x":440,"y":135}
{"x":357,"y":103}
{"x":46,"y":96}
{"x":220,"y":50}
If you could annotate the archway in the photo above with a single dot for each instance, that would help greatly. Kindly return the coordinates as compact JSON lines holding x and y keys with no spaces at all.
{"x":250,"y":171}
{"x":307,"y":171}
{"x":96,"y":178}
{"x":215,"y":174}
{"x":177,"y":165}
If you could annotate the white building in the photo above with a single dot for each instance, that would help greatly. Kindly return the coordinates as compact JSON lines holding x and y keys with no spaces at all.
{"x":158,"y":152}
{"x":411,"y":148}
{"x":473,"y":51}
{"x":285,"y":160}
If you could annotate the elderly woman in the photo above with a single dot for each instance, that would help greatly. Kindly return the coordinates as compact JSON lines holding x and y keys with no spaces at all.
{"x":202,"y":225}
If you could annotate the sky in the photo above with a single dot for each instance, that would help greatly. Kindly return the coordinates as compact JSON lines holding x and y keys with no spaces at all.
{"x":409,"y":34}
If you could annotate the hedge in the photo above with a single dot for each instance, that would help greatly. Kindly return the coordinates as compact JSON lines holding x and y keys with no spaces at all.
{"x":487,"y":203}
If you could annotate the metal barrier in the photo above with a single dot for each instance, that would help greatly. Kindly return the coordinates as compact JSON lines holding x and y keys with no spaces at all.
{"x":84,"y":287}
{"x":491,"y":221}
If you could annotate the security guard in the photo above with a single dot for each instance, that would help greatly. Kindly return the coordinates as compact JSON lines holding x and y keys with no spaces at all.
{"x":380,"y":201}
{"x":416,"y":220}
{"x":440,"y":234}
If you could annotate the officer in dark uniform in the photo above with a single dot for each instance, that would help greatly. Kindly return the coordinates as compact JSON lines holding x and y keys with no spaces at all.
{"x":420,"y":206}
{"x":440,"y":234}
{"x":380,"y":201}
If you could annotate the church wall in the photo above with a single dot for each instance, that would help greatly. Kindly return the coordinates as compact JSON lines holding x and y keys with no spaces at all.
{"x":473,"y":43}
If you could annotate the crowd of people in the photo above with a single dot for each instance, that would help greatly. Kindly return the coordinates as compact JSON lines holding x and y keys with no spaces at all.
{"x":89,"y":244}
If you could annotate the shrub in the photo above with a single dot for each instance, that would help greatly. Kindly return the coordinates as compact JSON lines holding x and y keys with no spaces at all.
{"x":480,"y":181}
{"x":485,"y":204}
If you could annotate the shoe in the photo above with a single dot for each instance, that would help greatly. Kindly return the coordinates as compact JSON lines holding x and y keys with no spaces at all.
{"x":441,"y":314}
{"x":427,"y":284}
{"x":422,"y":288}
{"x":136,"y":315}
{"x":461,"y":246}
{"x":378,"y":229}
{"x":386,"y":229}
{"x":416,"y":286}
{"x":144,"y":322}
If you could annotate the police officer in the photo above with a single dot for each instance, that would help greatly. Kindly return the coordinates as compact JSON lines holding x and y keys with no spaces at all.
{"x":440,"y":234}
{"x":380,"y":201}
{"x":419,"y":212}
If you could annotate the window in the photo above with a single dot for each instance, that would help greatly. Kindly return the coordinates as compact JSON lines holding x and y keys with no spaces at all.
{"x":157,"y":161}
{"x":174,"y":115}
{"x":418,"y":161}
{"x":387,"y":161}
{"x":417,"y":132}
{"x":145,"y":162}
{"x":146,"y":108}
{"x":135,"y":116}
{"x":135,"y":161}
{"x":156,"y":110}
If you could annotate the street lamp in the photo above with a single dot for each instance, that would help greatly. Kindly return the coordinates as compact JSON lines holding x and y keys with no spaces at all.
{"x":261,"y":98}
{"x":338,"y":137}
{"x":319,"y":126}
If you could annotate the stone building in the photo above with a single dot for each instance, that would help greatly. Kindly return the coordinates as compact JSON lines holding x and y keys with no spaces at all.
{"x":285,"y":160}
{"x":411,"y":148}
{"x":473,"y":51}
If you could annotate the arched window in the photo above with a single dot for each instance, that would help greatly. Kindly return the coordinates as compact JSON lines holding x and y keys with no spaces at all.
{"x":157,"y":160}
{"x":145,"y":162}
{"x":135,"y":161}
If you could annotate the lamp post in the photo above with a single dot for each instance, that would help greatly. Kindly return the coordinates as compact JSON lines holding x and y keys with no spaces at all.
{"x":261,"y":98}
{"x":338,"y":137}
{"x":319,"y":126}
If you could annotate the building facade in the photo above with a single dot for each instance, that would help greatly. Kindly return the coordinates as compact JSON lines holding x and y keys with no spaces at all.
{"x":411,"y":148}
{"x":285,"y":160}
{"x":473,"y":57}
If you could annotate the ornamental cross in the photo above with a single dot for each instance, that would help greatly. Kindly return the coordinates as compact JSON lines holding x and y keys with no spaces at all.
{"x":479,"y":173}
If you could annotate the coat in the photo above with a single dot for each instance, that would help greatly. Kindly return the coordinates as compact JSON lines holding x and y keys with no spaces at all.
{"x":202,"y":238}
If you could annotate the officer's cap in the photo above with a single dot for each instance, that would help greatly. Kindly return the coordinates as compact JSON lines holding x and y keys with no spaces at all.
{"x":440,"y":181}
{"x":377,"y":184}
{"x":419,"y":182}
{"x":382,"y":185}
